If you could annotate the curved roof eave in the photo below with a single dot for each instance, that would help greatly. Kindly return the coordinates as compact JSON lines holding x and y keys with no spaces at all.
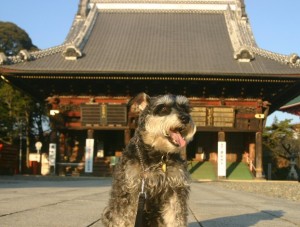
{"x":236,"y":22}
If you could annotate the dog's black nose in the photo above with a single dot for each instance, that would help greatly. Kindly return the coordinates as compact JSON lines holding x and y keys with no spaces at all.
{"x":185,"y":118}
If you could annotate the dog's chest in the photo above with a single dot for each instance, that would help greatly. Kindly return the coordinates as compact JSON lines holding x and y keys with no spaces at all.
{"x":164,"y":175}
{"x":158,"y":175}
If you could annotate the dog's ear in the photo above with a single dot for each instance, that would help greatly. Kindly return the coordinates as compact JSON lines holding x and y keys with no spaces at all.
{"x":141,"y":101}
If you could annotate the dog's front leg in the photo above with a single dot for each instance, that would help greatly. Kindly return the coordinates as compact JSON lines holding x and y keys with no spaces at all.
{"x":120,"y":212}
{"x":122,"y":207}
{"x":175,"y":210}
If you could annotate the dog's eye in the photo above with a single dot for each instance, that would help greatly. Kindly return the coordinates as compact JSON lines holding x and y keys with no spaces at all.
{"x":162,"y":110}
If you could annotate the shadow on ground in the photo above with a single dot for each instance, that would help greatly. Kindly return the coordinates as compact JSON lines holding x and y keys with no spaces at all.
{"x":244,"y":220}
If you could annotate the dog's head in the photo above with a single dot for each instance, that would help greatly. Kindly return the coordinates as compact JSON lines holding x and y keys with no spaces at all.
{"x":165,"y":122}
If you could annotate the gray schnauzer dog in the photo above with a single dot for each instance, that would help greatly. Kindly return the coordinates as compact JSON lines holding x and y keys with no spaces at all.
{"x":151,"y":165}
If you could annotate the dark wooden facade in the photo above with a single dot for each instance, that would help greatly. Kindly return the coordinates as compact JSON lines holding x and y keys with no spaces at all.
{"x":204,"y":50}
{"x":112,"y":121}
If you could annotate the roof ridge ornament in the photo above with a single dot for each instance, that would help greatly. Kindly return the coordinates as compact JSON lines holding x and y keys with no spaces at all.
{"x":241,"y":9}
{"x":244,"y":55}
{"x":25,"y":55}
{"x":83,"y":8}
{"x":240,"y":32}
{"x":72,"y":53}
{"x":3,"y":58}
{"x":293,"y":59}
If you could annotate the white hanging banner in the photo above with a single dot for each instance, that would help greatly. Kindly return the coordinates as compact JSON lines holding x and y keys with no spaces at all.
{"x":89,"y":155}
{"x":222,"y":159}
{"x":52,"y":154}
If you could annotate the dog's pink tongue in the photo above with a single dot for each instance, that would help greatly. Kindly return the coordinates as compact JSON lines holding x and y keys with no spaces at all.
{"x":177,"y":138}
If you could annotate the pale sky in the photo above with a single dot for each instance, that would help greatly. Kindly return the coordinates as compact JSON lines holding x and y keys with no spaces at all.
{"x":275,"y":24}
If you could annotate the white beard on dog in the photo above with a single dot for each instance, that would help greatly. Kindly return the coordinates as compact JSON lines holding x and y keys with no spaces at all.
{"x":166,"y":137}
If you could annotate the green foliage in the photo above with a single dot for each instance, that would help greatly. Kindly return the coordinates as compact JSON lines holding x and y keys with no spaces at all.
{"x":279,"y":135}
{"x":15,"y":108}
{"x":13,"y":39}
{"x":279,"y":142}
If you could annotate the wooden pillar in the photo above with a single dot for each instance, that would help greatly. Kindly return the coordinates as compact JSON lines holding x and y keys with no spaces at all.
{"x":62,"y":147}
{"x":90,"y":134}
{"x":61,"y":154}
{"x":221,"y":136}
{"x":252,"y":151}
{"x":126,"y":136}
{"x":258,"y":155}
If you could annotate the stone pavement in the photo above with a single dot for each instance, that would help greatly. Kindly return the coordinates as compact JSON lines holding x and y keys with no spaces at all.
{"x":68,"y":201}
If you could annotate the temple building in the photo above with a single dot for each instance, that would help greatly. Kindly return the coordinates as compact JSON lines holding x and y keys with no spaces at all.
{"x":292,"y":107}
{"x":116,"y":49}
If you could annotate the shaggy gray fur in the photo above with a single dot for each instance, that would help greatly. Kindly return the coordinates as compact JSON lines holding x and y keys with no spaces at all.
{"x":153,"y":154}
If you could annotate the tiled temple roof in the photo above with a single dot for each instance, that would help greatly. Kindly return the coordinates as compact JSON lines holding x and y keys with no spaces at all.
{"x":158,"y":37}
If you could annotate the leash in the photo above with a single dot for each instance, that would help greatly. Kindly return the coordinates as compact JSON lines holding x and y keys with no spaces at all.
{"x":141,"y":205}
{"x":142,"y":194}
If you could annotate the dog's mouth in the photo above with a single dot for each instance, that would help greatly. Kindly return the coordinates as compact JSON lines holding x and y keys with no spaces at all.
{"x":175,"y":136}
